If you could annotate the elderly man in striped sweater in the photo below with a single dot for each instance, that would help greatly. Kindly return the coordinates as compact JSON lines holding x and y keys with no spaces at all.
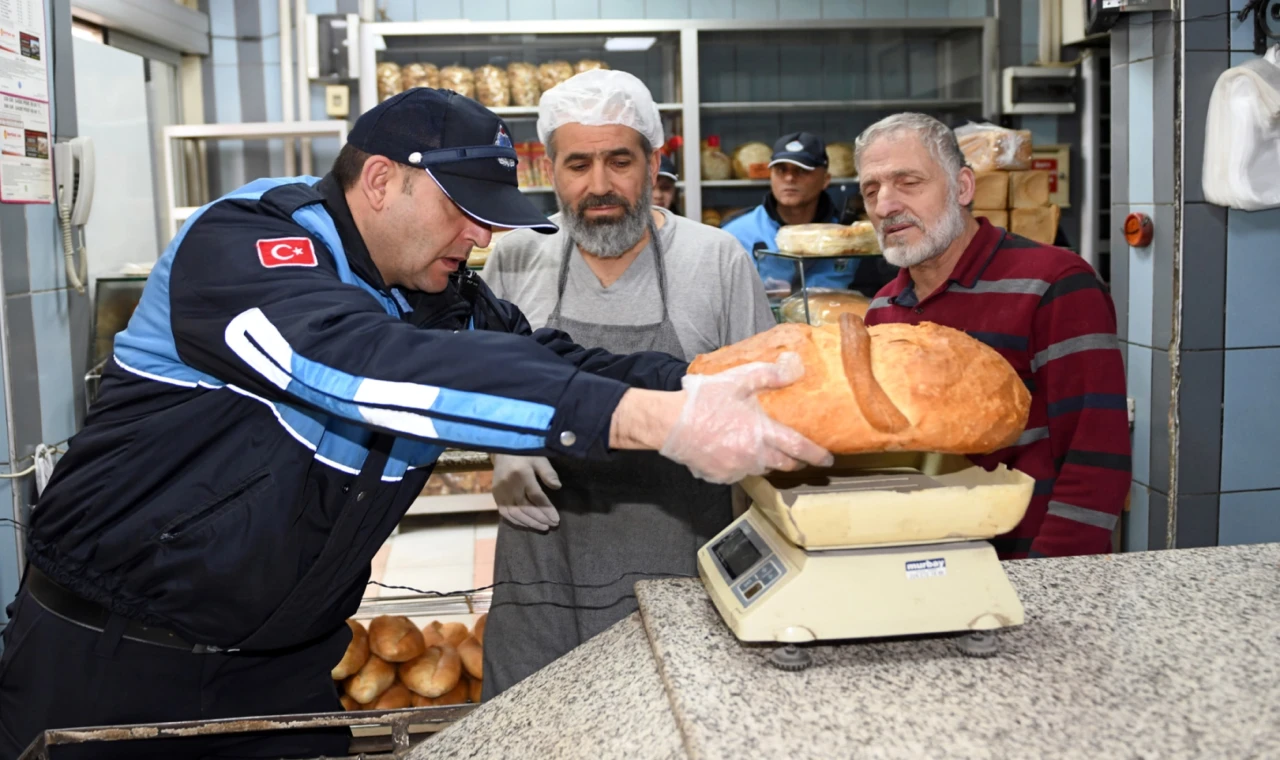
{"x":1043,"y":308}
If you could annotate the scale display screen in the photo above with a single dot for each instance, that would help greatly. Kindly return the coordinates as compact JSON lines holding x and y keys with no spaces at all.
{"x":737,"y":553}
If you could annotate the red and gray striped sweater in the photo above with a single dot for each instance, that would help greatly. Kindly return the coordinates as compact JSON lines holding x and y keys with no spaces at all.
{"x":1045,"y":310}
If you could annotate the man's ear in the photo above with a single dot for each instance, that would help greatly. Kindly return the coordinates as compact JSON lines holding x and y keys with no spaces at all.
{"x":826,"y":182}
{"x":968,"y":186}
{"x":655,"y":163}
{"x":375,"y":180}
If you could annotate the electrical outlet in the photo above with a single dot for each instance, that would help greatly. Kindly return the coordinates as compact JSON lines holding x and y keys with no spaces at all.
{"x":337,"y":100}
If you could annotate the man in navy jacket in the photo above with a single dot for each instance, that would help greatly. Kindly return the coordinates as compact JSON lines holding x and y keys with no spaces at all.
{"x":303,"y":352}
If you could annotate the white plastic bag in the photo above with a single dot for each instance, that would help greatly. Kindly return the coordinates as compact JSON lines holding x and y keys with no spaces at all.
{"x":1242,"y":136}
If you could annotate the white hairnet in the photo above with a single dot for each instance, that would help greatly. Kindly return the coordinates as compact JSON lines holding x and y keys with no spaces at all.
{"x":599,"y":98}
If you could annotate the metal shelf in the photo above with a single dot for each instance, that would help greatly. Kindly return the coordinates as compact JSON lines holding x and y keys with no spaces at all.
{"x":531,"y":112}
{"x":713,"y":183}
{"x":842,"y":105}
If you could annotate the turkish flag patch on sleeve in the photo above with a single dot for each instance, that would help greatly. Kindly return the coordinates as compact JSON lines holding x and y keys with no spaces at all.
{"x":287,"y":252}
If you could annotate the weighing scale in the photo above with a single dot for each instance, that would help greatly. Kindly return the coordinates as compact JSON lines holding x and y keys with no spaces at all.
{"x":881,"y":545}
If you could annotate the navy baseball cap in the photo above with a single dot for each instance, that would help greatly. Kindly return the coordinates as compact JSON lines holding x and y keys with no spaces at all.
{"x":462,"y":145}
{"x":804,"y":149}
{"x":667,"y":168}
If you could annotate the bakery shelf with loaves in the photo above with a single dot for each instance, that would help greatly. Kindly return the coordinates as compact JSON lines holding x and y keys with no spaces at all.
{"x":893,"y":387}
{"x":393,"y":663}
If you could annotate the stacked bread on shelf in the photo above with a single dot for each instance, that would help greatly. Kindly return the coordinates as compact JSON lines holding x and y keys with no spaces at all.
{"x":518,"y":84}
{"x":394,"y":664}
{"x":1009,"y":193}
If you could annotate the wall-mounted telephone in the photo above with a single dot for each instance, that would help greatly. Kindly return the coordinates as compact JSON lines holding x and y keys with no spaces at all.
{"x":73,"y":176}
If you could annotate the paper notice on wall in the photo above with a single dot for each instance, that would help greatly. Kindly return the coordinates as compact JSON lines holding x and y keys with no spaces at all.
{"x":26,"y":172}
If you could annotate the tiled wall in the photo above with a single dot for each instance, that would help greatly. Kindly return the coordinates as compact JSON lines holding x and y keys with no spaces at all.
{"x":45,"y":327}
{"x":1228,"y":356}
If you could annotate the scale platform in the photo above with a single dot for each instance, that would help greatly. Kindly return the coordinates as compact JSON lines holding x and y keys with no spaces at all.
{"x":882,"y":545}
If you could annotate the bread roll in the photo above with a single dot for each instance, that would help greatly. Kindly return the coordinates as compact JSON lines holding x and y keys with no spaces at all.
{"x":394,"y":698}
{"x":455,"y":696}
{"x":349,"y":703}
{"x":434,"y":673}
{"x":458,"y":79}
{"x":1038,"y":224}
{"x":992,"y":190}
{"x":1028,"y":189}
{"x":417,"y":700}
{"x":395,"y":638}
{"x":751,"y":161}
{"x":716,"y":165}
{"x":825,"y":306}
{"x":840,"y":160}
{"x":711,"y":217}
{"x":454,"y":633}
{"x":355,"y":656}
{"x":858,"y":238}
{"x":389,"y":80}
{"x":493,"y":89}
{"x":476,"y":688}
{"x":431,"y":636}
{"x":999,"y":217}
{"x":553,"y":73}
{"x":588,"y":64}
{"x":523,"y":78}
{"x":419,"y":75}
{"x":893,"y":387}
{"x":478,"y":631}
{"x":370,"y":681}
{"x":472,"y":655}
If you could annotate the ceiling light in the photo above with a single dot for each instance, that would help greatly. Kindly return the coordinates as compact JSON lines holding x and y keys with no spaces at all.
{"x":628,"y":44}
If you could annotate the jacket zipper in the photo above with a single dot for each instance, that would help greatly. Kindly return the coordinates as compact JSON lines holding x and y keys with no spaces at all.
{"x":173,"y":531}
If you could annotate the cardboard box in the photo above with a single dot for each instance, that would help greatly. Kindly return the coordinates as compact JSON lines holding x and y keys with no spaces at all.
{"x":997,"y":216}
{"x":1029,"y":189}
{"x":1038,"y":224}
{"x":992,"y":190}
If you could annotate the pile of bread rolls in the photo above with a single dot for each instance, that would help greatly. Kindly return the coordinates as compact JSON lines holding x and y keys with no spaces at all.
{"x":393,"y":664}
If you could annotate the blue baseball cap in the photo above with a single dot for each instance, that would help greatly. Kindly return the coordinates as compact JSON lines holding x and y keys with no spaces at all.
{"x":463,"y":146}
{"x":667,"y":168}
{"x":804,"y":149}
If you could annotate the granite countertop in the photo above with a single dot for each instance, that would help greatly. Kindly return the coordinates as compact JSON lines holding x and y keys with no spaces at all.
{"x":602,"y":700}
{"x":1153,"y":655}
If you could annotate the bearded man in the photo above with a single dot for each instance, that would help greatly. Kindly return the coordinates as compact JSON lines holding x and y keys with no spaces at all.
{"x":620,"y":274}
{"x":1042,"y":308}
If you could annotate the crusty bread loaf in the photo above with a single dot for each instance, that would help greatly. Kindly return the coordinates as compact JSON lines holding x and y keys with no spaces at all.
{"x":858,"y":238}
{"x":431,"y":636}
{"x":478,"y":631}
{"x":395,"y":638}
{"x":356,"y":655}
{"x":472,"y":655}
{"x":455,"y":696}
{"x":893,"y":387}
{"x":434,"y":673}
{"x":477,"y":687}
{"x":393,"y":698}
{"x":370,"y":681}
{"x":1038,"y":224}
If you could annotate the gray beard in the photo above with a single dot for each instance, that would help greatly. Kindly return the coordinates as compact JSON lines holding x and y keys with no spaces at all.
{"x":607,"y":238}
{"x":937,"y":237}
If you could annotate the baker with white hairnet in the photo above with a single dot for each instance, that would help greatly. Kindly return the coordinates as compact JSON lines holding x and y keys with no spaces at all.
{"x":626,"y":276}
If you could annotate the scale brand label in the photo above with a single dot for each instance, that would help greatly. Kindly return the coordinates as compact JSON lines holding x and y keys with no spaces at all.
{"x":926,"y":568}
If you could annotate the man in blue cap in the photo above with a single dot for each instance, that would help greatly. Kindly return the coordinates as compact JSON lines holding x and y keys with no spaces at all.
{"x":303,"y":352}
{"x":664,"y":190}
{"x":798,"y":180}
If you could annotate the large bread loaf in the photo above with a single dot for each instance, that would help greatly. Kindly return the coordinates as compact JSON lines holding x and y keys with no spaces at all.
{"x":893,"y":387}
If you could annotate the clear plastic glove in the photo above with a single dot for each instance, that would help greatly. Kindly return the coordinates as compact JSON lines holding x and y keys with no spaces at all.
{"x":521,"y":500}
{"x":724,"y":435}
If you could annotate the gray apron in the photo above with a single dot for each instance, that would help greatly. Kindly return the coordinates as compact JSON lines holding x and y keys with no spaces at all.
{"x":635,"y":513}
